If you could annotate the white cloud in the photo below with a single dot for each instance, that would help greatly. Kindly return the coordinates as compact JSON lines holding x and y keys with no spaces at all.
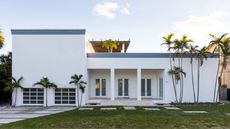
{"x":198,"y":27}
{"x":110,"y":9}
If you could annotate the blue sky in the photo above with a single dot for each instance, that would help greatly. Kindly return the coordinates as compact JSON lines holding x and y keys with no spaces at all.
{"x":144,"y":22}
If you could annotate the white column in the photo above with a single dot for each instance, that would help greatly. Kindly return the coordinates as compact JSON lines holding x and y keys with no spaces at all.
{"x":138,"y":84}
{"x":112,"y":78}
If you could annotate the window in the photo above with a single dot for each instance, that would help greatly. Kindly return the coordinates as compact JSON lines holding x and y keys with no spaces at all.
{"x":146,"y":87}
{"x":123,"y":87}
{"x":100,"y":87}
{"x":160,"y":87}
{"x":33,"y":96}
{"x":65,"y":96}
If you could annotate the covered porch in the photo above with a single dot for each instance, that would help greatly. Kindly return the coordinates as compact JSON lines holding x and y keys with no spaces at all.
{"x":120,"y":86}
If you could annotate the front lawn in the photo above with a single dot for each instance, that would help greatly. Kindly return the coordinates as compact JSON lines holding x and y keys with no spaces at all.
{"x":137,"y":119}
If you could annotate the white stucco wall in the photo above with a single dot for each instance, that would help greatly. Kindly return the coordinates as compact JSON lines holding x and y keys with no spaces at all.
{"x":207,"y":74}
{"x":56,"y":56}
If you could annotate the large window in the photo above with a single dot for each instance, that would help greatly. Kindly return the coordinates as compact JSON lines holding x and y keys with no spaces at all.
{"x":100,"y":87}
{"x":33,"y":96}
{"x":145,"y":87}
{"x":123,"y":87}
{"x":65,"y":96}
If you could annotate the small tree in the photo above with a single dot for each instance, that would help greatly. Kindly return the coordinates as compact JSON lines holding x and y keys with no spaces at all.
{"x":45,"y":82}
{"x":110,"y":45}
{"x":179,"y":74}
{"x":79,"y":83}
{"x":14,"y":86}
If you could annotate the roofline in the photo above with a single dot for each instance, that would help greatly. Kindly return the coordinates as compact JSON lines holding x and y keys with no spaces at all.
{"x":48,"y":31}
{"x":138,"y":55}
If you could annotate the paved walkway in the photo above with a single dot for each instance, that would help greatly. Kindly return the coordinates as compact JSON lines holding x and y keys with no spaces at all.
{"x":12,"y":114}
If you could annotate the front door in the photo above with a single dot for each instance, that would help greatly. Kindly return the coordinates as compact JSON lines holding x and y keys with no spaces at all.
{"x":123,"y":87}
{"x":145,"y":87}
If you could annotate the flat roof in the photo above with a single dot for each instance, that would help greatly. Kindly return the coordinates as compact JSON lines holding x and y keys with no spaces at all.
{"x":138,"y":55}
{"x":48,"y":31}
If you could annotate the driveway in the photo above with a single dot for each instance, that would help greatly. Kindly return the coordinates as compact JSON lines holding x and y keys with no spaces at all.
{"x":12,"y":114}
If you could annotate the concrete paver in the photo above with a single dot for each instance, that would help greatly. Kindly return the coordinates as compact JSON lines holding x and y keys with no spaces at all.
{"x":195,"y":112}
{"x":172,"y":108}
{"x":129,"y":108}
{"x":152,"y":109}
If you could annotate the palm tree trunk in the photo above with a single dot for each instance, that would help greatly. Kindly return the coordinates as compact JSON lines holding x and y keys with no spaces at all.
{"x":193,"y":85}
{"x":173,"y":80}
{"x":198,"y":80}
{"x":81,"y":99}
{"x":78,"y":96}
{"x":46,"y":98}
{"x":219,"y":78}
{"x":15,"y":97}
{"x":217,"y":73}
{"x":182,"y":81}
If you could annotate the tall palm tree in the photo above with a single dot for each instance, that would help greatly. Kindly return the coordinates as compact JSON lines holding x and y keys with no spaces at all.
{"x":110,"y":45}
{"x":1,"y":39}
{"x":45,"y":82}
{"x":179,"y":74}
{"x":201,"y":55}
{"x":179,"y":46}
{"x":192,"y":50}
{"x":14,"y":86}
{"x":168,"y":42}
{"x":79,"y":83}
{"x":215,"y":47}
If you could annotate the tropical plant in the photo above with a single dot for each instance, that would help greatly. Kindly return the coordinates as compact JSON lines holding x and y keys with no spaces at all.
{"x":201,"y":55}
{"x":45,"y":82}
{"x":192,"y":50}
{"x":110,"y":45}
{"x":169,"y":42}
{"x":179,"y":46}
{"x":14,"y":86}
{"x":5,"y":77}
{"x":1,"y":39}
{"x":215,"y":47}
{"x":177,"y":72}
{"x":80,"y":85}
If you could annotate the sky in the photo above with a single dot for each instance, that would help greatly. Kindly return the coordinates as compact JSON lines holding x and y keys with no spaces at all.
{"x":143,"y":22}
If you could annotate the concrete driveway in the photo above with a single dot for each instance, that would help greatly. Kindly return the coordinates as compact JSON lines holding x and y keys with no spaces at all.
{"x":12,"y":114}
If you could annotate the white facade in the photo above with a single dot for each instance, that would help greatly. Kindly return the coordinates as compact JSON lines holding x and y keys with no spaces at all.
{"x":111,"y":77}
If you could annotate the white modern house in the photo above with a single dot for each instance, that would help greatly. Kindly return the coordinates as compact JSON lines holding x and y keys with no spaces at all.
{"x":117,"y":78}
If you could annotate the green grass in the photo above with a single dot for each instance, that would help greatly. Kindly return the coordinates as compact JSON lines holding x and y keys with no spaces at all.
{"x":137,"y":119}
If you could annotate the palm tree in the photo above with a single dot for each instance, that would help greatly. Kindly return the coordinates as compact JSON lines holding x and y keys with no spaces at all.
{"x":201,"y":55}
{"x":179,"y":74}
{"x":192,"y":50}
{"x":45,"y":82}
{"x":14,"y":86}
{"x":110,"y":45}
{"x":77,"y":81}
{"x":1,"y":39}
{"x":179,"y":46}
{"x":215,"y":47}
{"x":168,"y":42}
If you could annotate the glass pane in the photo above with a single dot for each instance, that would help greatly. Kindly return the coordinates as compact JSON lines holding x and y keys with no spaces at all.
{"x":148,"y":87}
{"x":98,"y":87}
{"x":161,"y":87}
{"x":120,"y":87}
{"x":126,"y":87}
{"x":142,"y":87}
{"x":103,"y":92}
